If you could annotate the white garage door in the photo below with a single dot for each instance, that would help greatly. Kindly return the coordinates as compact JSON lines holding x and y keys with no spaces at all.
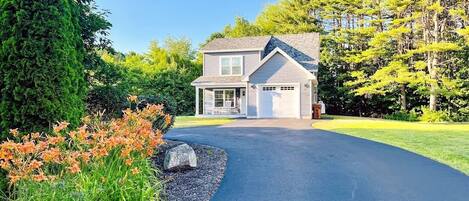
{"x":279,"y":102}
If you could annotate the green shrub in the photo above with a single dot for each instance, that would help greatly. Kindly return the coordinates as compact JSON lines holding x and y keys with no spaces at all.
{"x":41,"y":65}
{"x":110,"y":99}
{"x":403,"y":116}
{"x":433,"y":116}
{"x":107,"y":182}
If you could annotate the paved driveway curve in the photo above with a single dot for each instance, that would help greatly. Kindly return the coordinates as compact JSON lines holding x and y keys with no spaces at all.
{"x":287,"y":160}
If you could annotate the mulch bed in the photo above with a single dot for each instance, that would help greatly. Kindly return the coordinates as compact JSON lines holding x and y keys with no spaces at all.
{"x":193,"y":184}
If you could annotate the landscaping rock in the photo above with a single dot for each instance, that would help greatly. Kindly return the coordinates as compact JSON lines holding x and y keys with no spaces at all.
{"x":179,"y":158}
{"x":198,"y":184}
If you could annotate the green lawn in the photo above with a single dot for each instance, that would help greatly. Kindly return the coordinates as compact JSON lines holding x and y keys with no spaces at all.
{"x":191,"y":121}
{"x":447,"y":143}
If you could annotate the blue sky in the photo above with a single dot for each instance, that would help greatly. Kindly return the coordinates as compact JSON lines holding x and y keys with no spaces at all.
{"x":137,"y":22}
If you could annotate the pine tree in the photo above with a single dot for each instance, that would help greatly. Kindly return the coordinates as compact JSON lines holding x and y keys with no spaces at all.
{"x":41,"y":64}
{"x":289,"y":16}
{"x":414,"y":42}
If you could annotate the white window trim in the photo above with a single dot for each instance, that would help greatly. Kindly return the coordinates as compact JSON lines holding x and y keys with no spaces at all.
{"x":224,"y":98}
{"x":231,"y":65}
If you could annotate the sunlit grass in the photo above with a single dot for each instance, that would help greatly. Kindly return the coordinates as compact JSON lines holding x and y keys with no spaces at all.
{"x":444,"y":142}
{"x":191,"y":121}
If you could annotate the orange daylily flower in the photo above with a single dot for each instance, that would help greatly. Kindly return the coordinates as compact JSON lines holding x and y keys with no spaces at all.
{"x":150,"y":152}
{"x":40,"y":177}
{"x":27,"y":148}
{"x":14,"y":132}
{"x":52,"y":155}
{"x":5,"y":165}
{"x":9,"y":145}
{"x":167,"y":119}
{"x":35,"y":164}
{"x":135,"y":171}
{"x":61,"y":126}
{"x":85,"y":157}
{"x":128,"y":161}
{"x":14,"y":178}
{"x":132,"y":99}
{"x":125,"y":152}
{"x":132,"y":134}
{"x":74,"y":168}
{"x":56,"y":140}
{"x":6,"y":154}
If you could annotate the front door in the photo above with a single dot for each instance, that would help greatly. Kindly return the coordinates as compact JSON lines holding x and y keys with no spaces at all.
{"x":242,"y":101}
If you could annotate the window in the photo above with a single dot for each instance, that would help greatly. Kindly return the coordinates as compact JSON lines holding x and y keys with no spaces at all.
{"x":225,"y":98}
{"x":268,"y":88}
{"x":231,"y":65}
{"x":219,"y":98}
{"x":287,"y":88}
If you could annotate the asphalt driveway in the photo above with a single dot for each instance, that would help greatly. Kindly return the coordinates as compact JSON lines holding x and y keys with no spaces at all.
{"x":288,"y":160}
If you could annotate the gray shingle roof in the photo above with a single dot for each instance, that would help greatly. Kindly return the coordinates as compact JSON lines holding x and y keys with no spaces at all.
{"x":249,"y":43}
{"x":217,"y":79}
{"x":304,"y":48}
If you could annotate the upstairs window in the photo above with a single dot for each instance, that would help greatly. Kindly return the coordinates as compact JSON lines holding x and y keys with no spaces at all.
{"x":231,"y":65}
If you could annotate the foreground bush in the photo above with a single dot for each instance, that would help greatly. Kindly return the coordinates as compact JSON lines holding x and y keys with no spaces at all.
{"x":101,"y":160}
{"x":403,"y":116}
{"x":433,"y":116}
{"x":41,"y":65}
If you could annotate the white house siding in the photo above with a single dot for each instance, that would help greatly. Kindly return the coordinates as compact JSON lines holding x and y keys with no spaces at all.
{"x":280,"y":70}
{"x":208,"y":101}
{"x":251,"y":60}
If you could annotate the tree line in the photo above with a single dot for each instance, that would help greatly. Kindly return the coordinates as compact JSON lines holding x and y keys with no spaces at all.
{"x":379,"y":57}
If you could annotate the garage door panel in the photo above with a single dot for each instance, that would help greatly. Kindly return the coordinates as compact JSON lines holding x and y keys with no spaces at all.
{"x":279,"y":102}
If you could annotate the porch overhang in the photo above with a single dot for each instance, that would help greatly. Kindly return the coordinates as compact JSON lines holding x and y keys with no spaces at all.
{"x":219,"y":81}
{"x":222,"y":85}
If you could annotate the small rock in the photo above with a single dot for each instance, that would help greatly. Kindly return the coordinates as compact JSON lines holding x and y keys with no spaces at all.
{"x":180,"y":157}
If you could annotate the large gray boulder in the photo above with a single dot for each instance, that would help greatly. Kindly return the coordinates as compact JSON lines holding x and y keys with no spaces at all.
{"x":180,"y":157}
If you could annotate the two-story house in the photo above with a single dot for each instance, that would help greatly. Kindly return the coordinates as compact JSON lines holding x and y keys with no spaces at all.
{"x":259,"y":77}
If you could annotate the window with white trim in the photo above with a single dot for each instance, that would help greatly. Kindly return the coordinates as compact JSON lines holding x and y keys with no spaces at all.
{"x":225,"y":98}
{"x":231,"y":65}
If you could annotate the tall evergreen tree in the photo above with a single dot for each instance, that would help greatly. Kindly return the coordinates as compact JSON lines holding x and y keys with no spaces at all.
{"x":41,"y":64}
{"x":417,"y":37}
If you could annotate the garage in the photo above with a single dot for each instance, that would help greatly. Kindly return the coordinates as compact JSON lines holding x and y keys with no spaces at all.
{"x":280,"y":101}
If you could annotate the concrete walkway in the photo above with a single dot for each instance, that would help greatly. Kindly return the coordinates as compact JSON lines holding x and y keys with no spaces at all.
{"x":288,"y":160}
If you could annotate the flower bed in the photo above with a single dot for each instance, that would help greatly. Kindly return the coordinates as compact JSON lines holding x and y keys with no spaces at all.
{"x":101,"y":160}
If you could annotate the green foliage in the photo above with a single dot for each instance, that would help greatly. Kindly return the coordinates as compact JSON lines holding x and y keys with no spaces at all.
{"x":41,"y":68}
{"x":94,"y":31}
{"x":242,"y":27}
{"x":156,"y":73}
{"x":109,"y":99}
{"x":403,"y":116}
{"x":99,"y":182}
{"x":115,"y":83}
{"x":433,"y":116}
{"x":181,"y":47}
{"x":289,"y":16}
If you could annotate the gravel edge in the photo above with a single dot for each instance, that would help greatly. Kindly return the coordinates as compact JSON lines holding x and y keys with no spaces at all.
{"x":198,"y":184}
